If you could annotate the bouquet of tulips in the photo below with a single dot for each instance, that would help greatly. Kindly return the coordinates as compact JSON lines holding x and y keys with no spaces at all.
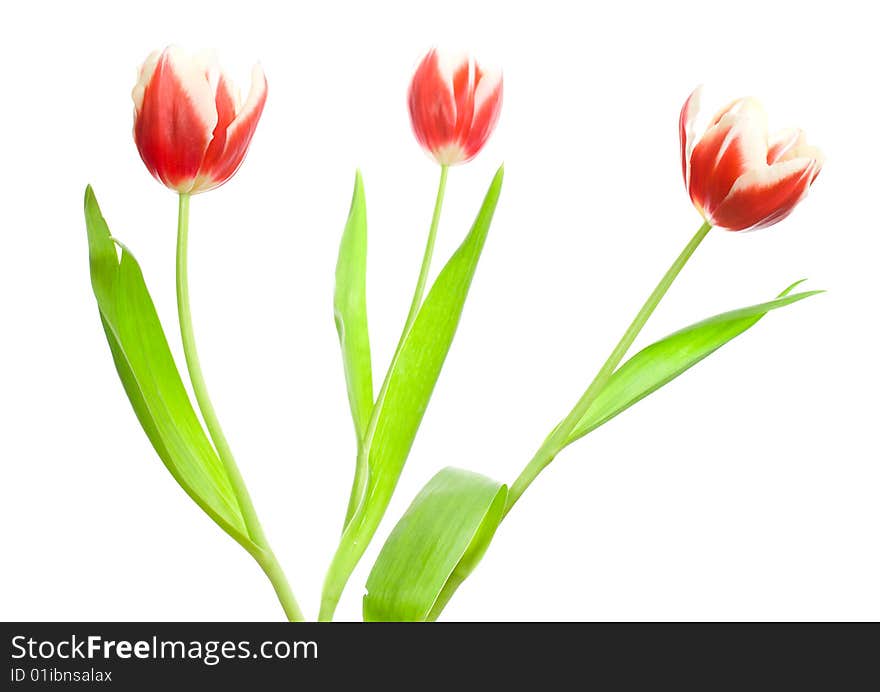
{"x":193,"y":131}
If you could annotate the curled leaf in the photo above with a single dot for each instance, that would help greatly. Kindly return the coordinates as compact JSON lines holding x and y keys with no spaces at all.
{"x":434,"y":547}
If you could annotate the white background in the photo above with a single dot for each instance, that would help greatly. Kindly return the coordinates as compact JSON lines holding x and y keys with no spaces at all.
{"x":747,"y":489}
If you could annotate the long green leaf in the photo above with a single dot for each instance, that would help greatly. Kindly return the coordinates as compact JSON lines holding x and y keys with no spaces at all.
{"x":151,"y":379}
{"x":415,"y":372}
{"x":350,"y":310}
{"x":401,"y":405}
{"x":434,"y":547}
{"x":664,"y":360}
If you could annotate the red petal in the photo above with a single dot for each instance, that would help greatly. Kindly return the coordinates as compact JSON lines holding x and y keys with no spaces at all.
{"x":238,"y":137}
{"x":431,"y":106}
{"x":225,"y":101}
{"x":734,"y":145}
{"x":463,"y":84}
{"x":764,"y":197}
{"x":488,"y":107}
{"x":174,"y":124}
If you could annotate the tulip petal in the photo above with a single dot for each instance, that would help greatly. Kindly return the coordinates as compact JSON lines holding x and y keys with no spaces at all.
{"x":686,"y":131}
{"x":732,"y":146}
{"x":431,"y":104}
{"x":792,"y":144}
{"x":463,"y":81}
{"x":765,"y":195}
{"x":176,"y":117}
{"x":145,"y":74}
{"x":221,"y":163}
{"x":733,"y":106}
{"x":782,"y":144}
{"x":227,"y":104}
{"x":488,"y":96}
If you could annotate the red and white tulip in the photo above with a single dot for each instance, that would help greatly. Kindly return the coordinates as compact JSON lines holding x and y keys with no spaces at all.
{"x":190,"y":126}
{"x":739,"y":178}
{"x":454,"y":105}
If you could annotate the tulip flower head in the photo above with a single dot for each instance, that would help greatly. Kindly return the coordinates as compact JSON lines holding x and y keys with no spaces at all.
{"x":454,"y":105}
{"x":737,"y":177}
{"x":190,"y":126}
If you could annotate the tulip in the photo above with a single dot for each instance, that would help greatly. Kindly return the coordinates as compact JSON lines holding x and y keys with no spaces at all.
{"x":190,"y":127}
{"x":454,"y":105}
{"x":737,"y":177}
{"x":193,"y":132}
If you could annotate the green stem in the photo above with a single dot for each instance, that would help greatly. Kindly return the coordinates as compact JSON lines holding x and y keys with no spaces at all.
{"x":355,"y":539}
{"x":265,"y":557}
{"x":270,"y":565}
{"x":426,"y":260}
{"x":557,"y":440}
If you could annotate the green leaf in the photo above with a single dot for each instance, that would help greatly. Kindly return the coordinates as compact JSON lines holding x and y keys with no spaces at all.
{"x":434,"y":547}
{"x":151,"y":379}
{"x":663,"y":361}
{"x":414,"y":374}
{"x":404,"y":397}
{"x":350,"y":311}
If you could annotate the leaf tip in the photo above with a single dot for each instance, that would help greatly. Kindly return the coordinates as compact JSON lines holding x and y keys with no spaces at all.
{"x":357,"y":195}
{"x":790,"y":288}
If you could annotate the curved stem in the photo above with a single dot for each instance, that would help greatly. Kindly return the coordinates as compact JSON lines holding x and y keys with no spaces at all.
{"x":266,"y":557}
{"x":558,"y":438}
{"x":356,"y":539}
